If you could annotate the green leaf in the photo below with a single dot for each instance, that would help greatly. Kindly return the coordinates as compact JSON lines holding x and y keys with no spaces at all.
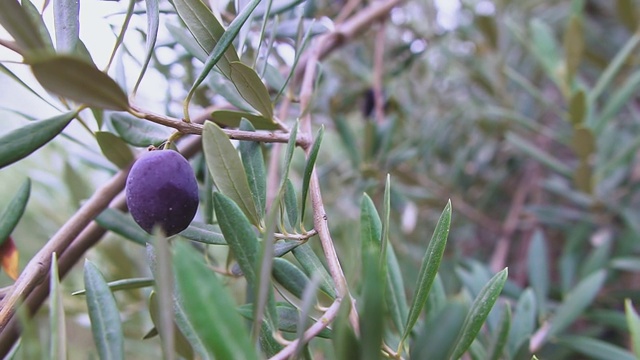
{"x":538,"y":269}
{"x":479,"y":312}
{"x":17,"y":22}
{"x":233,"y":118}
{"x":138,"y":132}
{"x":372,"y":325}
{"x":17,"y":79}
{"x":543,"y":157}
{"x":499,"y":342}
{"x":204,"y":233}
{"x":76,"y":184}
{"x":395,"y":293}
{"x":308,"y":169}
{"x":79,"y":81}
{"x":207,"y":31}
{"x":103,"y":312}
{"x":227,"y":169}
{"x":633,"y":322}
{"x":66,"y":24}
{"x":573,"y":46}
{"x":288,"y":318}
{"x":251,"y":88}
{"x":114,"y":149}
{"x":187,"y":41}
{"x":291,"y":203}
{"x":544,"y":46}
{"x":430,"y":344}
{"x":37,"y":19}
{"x":345,"y":343}
{"x":311,"y":264}
{"x":124,"y":284}
{"x":210,"y":309}
{"x":123,"y":225}
{"x":290,"y":276}
{"x":619,"y":98}
{"x":576,"y":301}
{"x":428,"y":269}
{"x":221,"y":47}
{"x":253,"y":162}
{"x":14,"y":211}
{"x":186,"y":328}
{"x":583,"y":142}
{"x":239,"y":234}
{"x":153,"y":21}
{"x":181,"y":343}
{"x":58,"y":349}
{"x":594,"y":348}
{"x":21,"y":142}
{"x":609,"y":74}
{"x":220,"y":85}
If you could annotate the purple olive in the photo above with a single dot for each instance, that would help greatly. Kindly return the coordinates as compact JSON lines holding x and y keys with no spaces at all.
{"x":162,"y":190}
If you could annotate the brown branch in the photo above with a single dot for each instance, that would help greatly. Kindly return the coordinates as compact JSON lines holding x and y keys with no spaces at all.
{"x":311,"y":332}
{"x":194,"y":128}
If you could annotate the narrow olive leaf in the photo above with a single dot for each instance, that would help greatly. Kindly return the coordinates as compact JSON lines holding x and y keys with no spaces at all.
{"x":210,"y":309}
{"x":290,"y":276}
{"x":37,"y":19}
{"x":573,"y":46}
{"x":58,"y":349}
{"x":300,"y":46}
{"x":186,"y":328}
{"x":345,"y":343}
{"x":291,"y":203}
{"x":221,"y":86}
{"x":544,"y":46}
{"x":288,"y":156}
{"x":595,"y":348}
{"x":239,"y":234}
{"x":182,"y":345}
{"x":120,"y":38}
{"x":538,"y":266}
{"x":309,"y":298}
{"x":618,"y":99}
{"x":479,"y":312}
{"x":386,"y":218}
{"x":277,"y":7}
{"x":79,"y":81}
{"x":204,"y":233}
{"x":372,"y":325}
{"x":524,"y":321}
{"x":220,"y":48}
{"x":123,"y":225}
{"x":227,"y":170}
{"x":633,"y":322}
{"x":153,"y":21}
{"x":311,"y":264}
{"x":114,"y":149}
{"x":66,"y":24}
{"x":251,"y":88}
{"x":395,"y":292}
{"x":543,"y":157}
{"x":17,"y":79}
{"x":138,"y":132}
{"x":17,"y":22}
{"x":348,"y":140}
{"x":187,"y":41}
{"x":265,"y":304}
{"x":499,"y":342}
{"x":21,"y":142}
{"x":124,"y":284}
{"x":103,"y":312}
{"x":438,"y":334}
{"x":308,"y":169}
{"x":615,"y":65}
{"x":370,"y":229}
{"x":253,"y":162}
{"x":206,"y":30}
{"x":78,"y":187}
{"x":576,"y":301}
{"x":428,"y":270}
{"x":578,"y":108}
{"x":164,"y":285}
{"x":11,"y":215}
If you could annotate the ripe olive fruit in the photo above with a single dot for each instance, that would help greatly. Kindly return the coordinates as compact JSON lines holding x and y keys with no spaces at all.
{"x":162,"y":190}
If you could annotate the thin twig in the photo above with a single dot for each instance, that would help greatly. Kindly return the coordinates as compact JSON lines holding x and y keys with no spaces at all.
{"x":378,"y":73}
{"x":311,"y":332}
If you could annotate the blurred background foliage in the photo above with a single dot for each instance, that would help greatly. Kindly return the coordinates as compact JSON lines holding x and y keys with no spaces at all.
{"x":524,"y":113}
